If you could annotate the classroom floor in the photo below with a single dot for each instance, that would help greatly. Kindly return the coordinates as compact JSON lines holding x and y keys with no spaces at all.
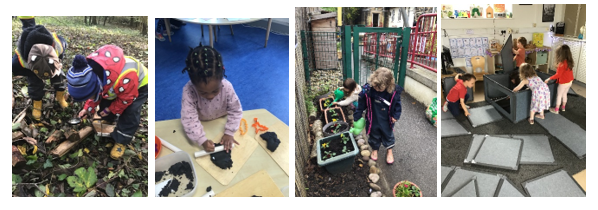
{"x":453,"y":149}
{"x":260,"y":76}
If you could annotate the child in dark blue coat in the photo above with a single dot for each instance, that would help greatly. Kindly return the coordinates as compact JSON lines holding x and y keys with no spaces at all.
{"x":382,"y":99}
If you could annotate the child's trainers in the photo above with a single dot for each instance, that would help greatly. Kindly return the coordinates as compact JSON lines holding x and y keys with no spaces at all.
{"x":553,"y":110}
{"x":160,"y":37}
{"x":445,"y":107}
{"x":562,"y":108}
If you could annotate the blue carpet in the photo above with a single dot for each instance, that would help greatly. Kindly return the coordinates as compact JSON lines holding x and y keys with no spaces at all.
{"x":259,"y":75}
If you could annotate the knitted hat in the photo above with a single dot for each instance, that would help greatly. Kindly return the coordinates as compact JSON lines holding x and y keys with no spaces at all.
{"x":43,"y":61}
{"x":83,"y":83}
{"x":33,"y":35}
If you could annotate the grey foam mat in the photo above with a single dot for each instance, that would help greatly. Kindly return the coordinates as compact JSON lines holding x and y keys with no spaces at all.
{"x":452,"y":128}
{"x":507,"y":189}
{"x":555,"y":184}
{"x":474,"y":146}
{"x":468,"y":190}
{"x":572,"y":92}
{"x":567,"y":132}
{"x":445,"y":171}
{"x":483,"y":115}
{"x":536,"y":149}
{"x":487,"y":183}
{"x":446,"y":116}
{"x":499,"y":152}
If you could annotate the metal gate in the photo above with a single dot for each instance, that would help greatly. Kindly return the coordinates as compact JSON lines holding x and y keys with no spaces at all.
{"x":366,"y":49}
{"x":321,"y":54}
{"x":423,"y":43}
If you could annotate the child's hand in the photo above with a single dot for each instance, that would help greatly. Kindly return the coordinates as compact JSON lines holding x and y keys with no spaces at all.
{"x":393,"y":120}
{"x":334,"y":103}
{"x":227,"y":141}
{"x":466,"y":113}
{"x":547,"y":80}
{"x":208,"y":146}
{"x":83,"y":114}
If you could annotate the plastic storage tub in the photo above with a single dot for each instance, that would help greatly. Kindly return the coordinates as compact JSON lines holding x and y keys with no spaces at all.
{"x":340,"y":163}
{"x":163,"y":163}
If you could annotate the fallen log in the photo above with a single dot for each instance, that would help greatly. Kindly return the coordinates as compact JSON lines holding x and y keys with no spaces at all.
{"x":66,"y":146}
{"x":57,"y":135}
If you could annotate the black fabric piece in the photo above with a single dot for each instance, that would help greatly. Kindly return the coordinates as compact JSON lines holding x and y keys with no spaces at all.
{"x":222,"y":159}
{"x":209,"y":189}
{"x":256,"y":196}
{"x":272,"y":139}
{"x":159,"y":175}
{"x":189,"y":186}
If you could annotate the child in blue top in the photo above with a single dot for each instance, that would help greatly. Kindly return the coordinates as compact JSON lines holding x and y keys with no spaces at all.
{"x":382,"y":99}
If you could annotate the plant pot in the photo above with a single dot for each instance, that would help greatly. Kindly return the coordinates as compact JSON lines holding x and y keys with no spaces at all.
{"x":339,"y":163}
{"x":341,"y":130}
{"x":321,"y":103}
{"x":394,"y":189}
{"x":340,"y":117}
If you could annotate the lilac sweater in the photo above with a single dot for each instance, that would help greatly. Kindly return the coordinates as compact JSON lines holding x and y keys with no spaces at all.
{"x":196,"y":108}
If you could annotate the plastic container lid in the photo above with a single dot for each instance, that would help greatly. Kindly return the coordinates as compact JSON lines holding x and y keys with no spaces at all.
{"x":164,"y":163}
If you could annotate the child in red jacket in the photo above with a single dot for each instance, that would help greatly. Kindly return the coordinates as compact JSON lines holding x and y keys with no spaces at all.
{"x":114,"y":82}
{"x":563,"y":76}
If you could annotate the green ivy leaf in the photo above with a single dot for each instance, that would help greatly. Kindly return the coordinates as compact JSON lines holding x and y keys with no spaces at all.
{"x":65,"y":166}
{"x":43,"y":130}
{"x":135,"y":186}
{"x":62,"y":177}
{"x":137,"y":194}
{"x":15,"y":180}
{"x":53,"y":122}
{"x":38,"y":192}
{"x":29,"y":162}
{"x":110,"y":190}
{"x":125,"y":192}
{"x":84,"y":179}
{"x":16,"y":126}
{"x":48,"y":164}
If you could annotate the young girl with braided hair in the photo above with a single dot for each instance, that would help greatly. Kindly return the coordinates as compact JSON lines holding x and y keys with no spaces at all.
{"x":208,"y":96}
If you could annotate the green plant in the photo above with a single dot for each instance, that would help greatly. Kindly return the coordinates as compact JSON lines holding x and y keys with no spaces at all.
{"x":345,"y":149}
{"x":336,"y":127}
{"x":407,"y":189}
{"x":328,"y":154}
{"x":83,"y":180}
{"x":325,"y":145}
{"x":345,"y":139}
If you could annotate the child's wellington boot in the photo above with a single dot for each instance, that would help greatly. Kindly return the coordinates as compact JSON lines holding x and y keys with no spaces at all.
{"x":37,"y":110}
{"x":117,"y":151}
{"x":61,"y":100}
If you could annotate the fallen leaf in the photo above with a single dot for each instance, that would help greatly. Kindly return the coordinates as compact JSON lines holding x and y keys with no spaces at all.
{"x":30,"y":140}
{"x":86,"y":150}
{"x":22,"y":149}
{"x":34,"y":149}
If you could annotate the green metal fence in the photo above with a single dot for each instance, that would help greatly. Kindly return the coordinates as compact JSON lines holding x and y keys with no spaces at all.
{"x":367,"y":49}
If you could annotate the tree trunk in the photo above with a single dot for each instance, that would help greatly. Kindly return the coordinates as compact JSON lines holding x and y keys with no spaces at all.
{"x":85,"y":21}
{"x":94,"y":20}
{"x":144,"y":25}
{"x":106,"y":17}
{"x":131,"y":22}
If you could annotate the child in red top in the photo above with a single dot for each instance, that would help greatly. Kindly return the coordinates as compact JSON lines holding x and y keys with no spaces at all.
{"x":563,"y":76}
{"x":519,"y":58}
{"x":458,"y":94}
